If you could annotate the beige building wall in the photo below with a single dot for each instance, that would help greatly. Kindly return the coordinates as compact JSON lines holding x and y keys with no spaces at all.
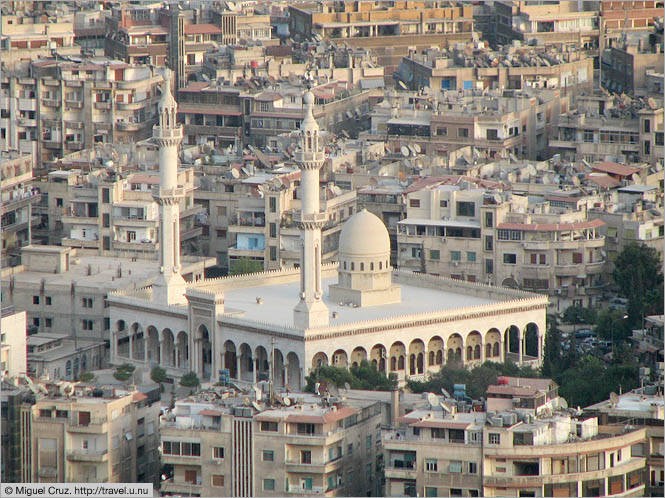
{"x":14,"y":329}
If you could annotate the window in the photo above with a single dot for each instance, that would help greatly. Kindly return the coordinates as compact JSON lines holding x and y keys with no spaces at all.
{"x":489,"y":243}
{"x":221,"y":233}
{"x":35,"y":299}
{"x":368,"y":442}
{"x":577,"y":258}
{"x":349,"y":449}
{"x":437,"y":433}
{"x":48,"y":300}
{"x":268,"y":484}
{"x":221,"y":210}
{"x":647,"y":126}
{"x":191,"y":449}
{"x":431,"y":465}
{"x":471,"y":256}
{"x":489,"y":266}
{"x":647,"y":148}
{"x":455,"y":467}
{"x":272,"y":204}
{"x":35,"y":322}
{"x":473,"y":468}
{"x":434,"y":254}
{"x":273,"y":253}
{"x":494,"y":438}
{"x":430,"y":492}
{"x":269,"y":426}
{"x":218,"y":452}
{"x":659,"y":138}
{"x":217,"y":480}
{"x":190,"y":476}
{"x":510,"y":259}
{"x":88,"y":324}
{"x":466,"y":208}
{"x":48,"y":322}
{"x":106,"y":196}
{"x":455,"y":255}
{"x":463,"y":133}
{"x":273,"y":229}
{"x":58,"y":202}
{"x":306,"y":456}
{"x":414,"y":203}
{"x":268,"y":456}
{"x":443,"y":204}
{"x":492,"y":134}
{"x":442,"y":131}
{"x":86,"y":302}
{"x":489,"y":220}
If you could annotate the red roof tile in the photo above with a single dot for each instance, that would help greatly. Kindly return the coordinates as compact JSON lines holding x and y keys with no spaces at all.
{"x":603,"y":180}
{"x":615,"y":169}
{"x":139,"y":397}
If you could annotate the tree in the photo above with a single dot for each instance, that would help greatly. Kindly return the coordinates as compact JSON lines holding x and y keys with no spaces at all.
{"x":190,"y":379}
{"x":611,"y":325}
{"x":578,"y":314}
{"x":158,"y":375}
{"x":637,"y":273}
{"x":245,"y":265}
{"x":87,"y":377}
{"x":364,"y":376}
{"x":552,"y":352}
{"x":124,"y":372}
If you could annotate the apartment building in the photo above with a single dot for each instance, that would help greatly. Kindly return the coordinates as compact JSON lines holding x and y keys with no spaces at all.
{"x":61,"y":356}
{"x":642,"y":408}
{"x":515,"y":68}
{"x":441,"y":452}
{"x":629,"y":16}
{"x":302,"y":448}
{"x":78,"y":433}
{"x":11,"y":399}
{"x":648,"y":342}
{"x":110,"y":213}
{"x":61,"y":106}
{"x":625,"y":66}
{"x":477,"y":234}
{"x":242,"y":22}
{"x":251,"y":218}
{"x":18,"y":198}
{"x":495,"y":123}
{"x":14,"y":328}
{"x":633,"y":134}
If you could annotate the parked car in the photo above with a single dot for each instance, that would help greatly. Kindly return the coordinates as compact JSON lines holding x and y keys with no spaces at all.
{"x":584,"y":334}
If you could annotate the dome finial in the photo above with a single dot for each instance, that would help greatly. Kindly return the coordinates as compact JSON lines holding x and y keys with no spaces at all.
{"x":167,"y":99}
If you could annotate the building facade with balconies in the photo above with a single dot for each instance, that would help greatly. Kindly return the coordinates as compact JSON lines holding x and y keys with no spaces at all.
{"x":305,"y":449}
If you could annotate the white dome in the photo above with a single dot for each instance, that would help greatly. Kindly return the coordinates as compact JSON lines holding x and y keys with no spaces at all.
{"x":364,"y":235}
{"x":308,"y":98}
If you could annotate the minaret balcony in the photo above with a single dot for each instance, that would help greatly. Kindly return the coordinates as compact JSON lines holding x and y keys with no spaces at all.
{"x":311,"y":220}
{"x":177,"y":192}
{"x":159,"y":132}
{"x":306,"y":157}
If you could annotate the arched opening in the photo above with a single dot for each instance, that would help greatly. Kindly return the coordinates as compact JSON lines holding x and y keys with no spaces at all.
{"x":358,"y":355}
{"x":511,"y":342}
{"x":509,"y":282}
{"x":420,"y":362}
{"x":378,"y":356}
{"x":469,"y":353}
{"x":182,"y":351}
{"x":153,"y":346}
{"x":531,"y":340}
{"x":122,"y":340}
{"x":76,"y":368}
{"x":320,"y":359}
{"x":293,"y":372}
{"x":439,"y":357}
{"x":431,"y":358}
{"x":476,"y":352}
{"x":454,"y":345}
{"x":412,"y":364}
{"x":398,"y":351}
{"x":279,"y":372}
{"x":137,"y":343}
{"x":231,"y":359}
{"x":261,"y":363}
{"x":246,"y":363}
{"x":436,"y":347}
{"x":168,"y":347}
{"x":474,"y":341}
{"x":340,"y":359}
{"x":488,"y":350}
{"x":204,"y":350}
{"x":493,"y":339}
{"x":416,"y":348}
{"x":84,"y":363}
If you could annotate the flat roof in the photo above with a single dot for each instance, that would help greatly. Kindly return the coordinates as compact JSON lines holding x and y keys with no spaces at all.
{"x":636,"y":189}
{"x":280,"y":299}
{"x":440,"y":223}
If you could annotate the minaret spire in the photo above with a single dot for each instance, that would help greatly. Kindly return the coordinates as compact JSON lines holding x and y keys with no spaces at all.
{"x":170,"y":286}
{"x":311,"y":311}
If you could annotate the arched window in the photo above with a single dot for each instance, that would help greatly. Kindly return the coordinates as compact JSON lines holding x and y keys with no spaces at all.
{"x":400,"y":363}
{"x":420,"y":363}
{"x":439,"y":357}
{"x":458,"y":354}
{"x":412,"y":364}
{"x":469,"y":353}
{"x":393,"y":363}
{"x":451,"y":355}
{"x":345,"y":265}
{"x":432,"y":358}
{"x":84,"y":363}
{"x":476,"y":352}
{"x":68,"y":368}
{"x":353,"y":266}
{"x":488,"y":350}
{"x":362,"y":266}
{"x":380,"y":265}
{"x":371,"y":266}
{"x":76,"y":367}
{"x":496,"y":349}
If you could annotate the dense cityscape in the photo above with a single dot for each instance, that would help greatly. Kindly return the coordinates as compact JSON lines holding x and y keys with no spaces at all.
{"x":333,"y":248}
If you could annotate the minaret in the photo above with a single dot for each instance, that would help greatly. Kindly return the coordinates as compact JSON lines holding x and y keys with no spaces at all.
{"x":169,"y":287}
{"x":311,"y":311}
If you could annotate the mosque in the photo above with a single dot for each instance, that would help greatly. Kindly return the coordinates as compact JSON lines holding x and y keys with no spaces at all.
{"x":358,"y":308}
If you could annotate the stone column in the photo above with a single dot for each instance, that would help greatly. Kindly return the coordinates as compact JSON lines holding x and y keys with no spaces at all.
{"x":502,"y":352}
{"x":238,"y":376}
{"x":482,"y":352}
{"x":131,"y":347}
{"x":520,"y":343}
{"x":114,"y":344}
{"x":161,"y":360}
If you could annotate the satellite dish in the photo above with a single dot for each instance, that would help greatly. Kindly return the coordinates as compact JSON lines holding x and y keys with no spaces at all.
{"x":256,"y":406}
{"x":614,"y":399}
{"x":446,"y":394}
{"x":404,"y":150}
{"x":446,"y":407}
{"x":235,"y":173}
{"x":417,"y":148}
{"x":402,"y":85}
{"x":286,"y":401}
{"x":652,"y":103}
{"x":432,"y":399}
{"x":563,"y":404}
{"x":347,"y":386}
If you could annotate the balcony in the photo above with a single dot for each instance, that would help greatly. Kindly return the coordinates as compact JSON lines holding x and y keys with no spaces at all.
{"x":400,"y":472}
{"x":191,"y":233}
{"x":125,"y":126}
{"x":51,"y":103}
{"x":48,"y":472}
{"x":299,"y":490}
{"x":27,"y":104}
{"x":74,"y":125}
{"x":19,"y":202}
{"x":135,"y":246}
{"x":181,"y":487}
{"x":136,"y":105}
{"x":318,"y":218}
{"x":80,"y":243}
{"x":74,"y":145}
{"x":529,"y":245}
{"x":103,"y":105}
{"x":79,"y":220}
{"x":96,"y":426}
{"x":52,"y":144}
{"x":73,"y":83}
{"x":315,"y":439}
{"x":87,"y":455}
{"x":50,"y":82}
{"x":134,"y":222}
{"x":74,"y":104}
{"x":26,"y":122}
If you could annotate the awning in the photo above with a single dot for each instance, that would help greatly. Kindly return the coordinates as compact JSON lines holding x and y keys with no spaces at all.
{"x":370,"y":83}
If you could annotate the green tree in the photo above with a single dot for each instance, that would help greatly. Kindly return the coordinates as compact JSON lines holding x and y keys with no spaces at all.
{"x":364,"y":376}
{"x":190,"y":379}
{"x":124,"y":372}
{"x":612,"y":325}
{"x":552,"y":352}
{"x":245,"y":265}
{"x":578,"y":314}
{"x":158,"y":375}
{"x":87,"y":377}
{"x":637,"y":273}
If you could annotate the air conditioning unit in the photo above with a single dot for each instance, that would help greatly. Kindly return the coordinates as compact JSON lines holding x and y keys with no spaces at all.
{"x":444,"y":239}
